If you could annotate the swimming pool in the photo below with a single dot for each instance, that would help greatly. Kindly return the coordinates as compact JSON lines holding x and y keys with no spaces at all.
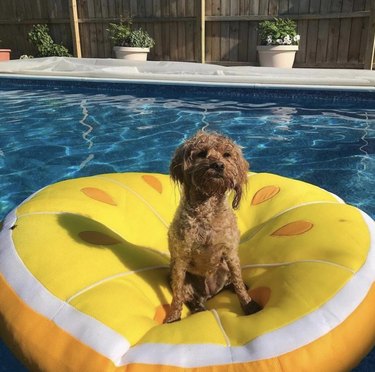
{"x":53,"y":130}
{"x":48,"y":134}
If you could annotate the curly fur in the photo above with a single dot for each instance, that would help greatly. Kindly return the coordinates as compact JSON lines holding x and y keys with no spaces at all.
{"x":203,"y":236}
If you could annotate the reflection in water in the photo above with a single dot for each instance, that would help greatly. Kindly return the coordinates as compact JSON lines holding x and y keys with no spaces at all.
{"x":85,"y":134}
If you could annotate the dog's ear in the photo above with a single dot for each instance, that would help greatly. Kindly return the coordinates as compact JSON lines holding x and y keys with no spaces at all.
{"x":241,"y":180}
{"x":176,"y":169}
{"x":237,"y":196}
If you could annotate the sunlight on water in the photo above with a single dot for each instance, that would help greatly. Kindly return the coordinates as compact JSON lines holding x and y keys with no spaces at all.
{"x":49,"y":135}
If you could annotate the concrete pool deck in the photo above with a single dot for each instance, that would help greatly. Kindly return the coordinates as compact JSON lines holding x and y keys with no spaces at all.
{"x":187,"y":73}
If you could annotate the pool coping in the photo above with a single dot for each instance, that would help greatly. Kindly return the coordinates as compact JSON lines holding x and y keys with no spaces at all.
{"x":187,"y":73}
{"x":191,"y":83}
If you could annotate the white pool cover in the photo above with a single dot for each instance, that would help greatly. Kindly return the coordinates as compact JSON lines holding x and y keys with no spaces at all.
{"x":183,"y":72}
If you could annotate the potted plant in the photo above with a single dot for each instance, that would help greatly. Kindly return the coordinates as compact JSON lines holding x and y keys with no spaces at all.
{"x":4,"y":54}
{"x":279,"y":43}
{"x":130,"y":44}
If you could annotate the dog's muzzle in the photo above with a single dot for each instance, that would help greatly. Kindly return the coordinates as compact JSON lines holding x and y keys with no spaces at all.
{"x":218,"y":166}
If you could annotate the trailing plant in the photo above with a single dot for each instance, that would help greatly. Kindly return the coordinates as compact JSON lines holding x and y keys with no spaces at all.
{"x":278,"y":32}
{"x":121,"y":34}
{"x":39,"y":36}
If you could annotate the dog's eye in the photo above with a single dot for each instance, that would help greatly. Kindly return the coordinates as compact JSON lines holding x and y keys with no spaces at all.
{"x":202,"y":154}
{"x":227,"y":155}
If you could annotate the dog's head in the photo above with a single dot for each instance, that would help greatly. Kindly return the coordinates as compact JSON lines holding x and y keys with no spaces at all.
{"x":212,"y":164}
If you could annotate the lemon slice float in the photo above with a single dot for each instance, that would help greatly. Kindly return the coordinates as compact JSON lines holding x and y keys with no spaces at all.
{"x":84,"y":280}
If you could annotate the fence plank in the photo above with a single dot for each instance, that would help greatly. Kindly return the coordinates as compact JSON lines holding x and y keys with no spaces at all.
{"x":252,"y":43}
{"x":254,"y":7}
{"x":243,"y":46}
{"x":370,"y":40}
{"x":75,"y":28}
{"x":345,"y":31}
{"x":338,"y":33}
{"x":294,"y":7}
{"x":312,"y":42}
{"x":263,"y":7}
{"x":234,"y":41}
{"x":173,"y":40}
{"x":213,"y":38}
{"x":273,"y":7}
{"x":201,"y":30}
{"x":245,"y":6}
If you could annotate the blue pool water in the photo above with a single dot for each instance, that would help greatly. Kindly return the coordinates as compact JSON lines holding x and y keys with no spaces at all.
{"x":51,"y":131}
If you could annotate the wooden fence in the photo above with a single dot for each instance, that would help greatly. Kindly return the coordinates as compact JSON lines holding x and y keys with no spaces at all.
{"x":334,"y":33}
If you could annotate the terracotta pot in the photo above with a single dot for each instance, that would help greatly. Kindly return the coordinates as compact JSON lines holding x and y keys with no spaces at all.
{"x":5,"y":54}
{"x":129,"y":53}
{"x":277,"y":55}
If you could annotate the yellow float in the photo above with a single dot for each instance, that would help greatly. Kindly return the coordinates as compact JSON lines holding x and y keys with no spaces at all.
{"x":83,"y":283}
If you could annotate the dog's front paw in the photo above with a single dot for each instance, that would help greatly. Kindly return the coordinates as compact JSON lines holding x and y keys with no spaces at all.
{"x":251,"y":307}
{"x":172,"y":317}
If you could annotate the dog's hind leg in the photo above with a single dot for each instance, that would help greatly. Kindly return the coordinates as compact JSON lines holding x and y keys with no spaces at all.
{"x":196,"y":293}
{"x":199,"y":288}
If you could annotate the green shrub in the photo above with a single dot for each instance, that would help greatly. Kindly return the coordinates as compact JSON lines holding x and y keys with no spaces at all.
{"x":39,"y":36}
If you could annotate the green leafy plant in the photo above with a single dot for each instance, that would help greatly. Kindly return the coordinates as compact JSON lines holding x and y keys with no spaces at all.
{"x":141,"y":39}
{"x":121,"y":34}
{"x":278,"y":32}
{"x":39,"y":36}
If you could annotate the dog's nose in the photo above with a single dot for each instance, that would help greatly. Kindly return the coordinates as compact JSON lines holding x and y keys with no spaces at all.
{"x":218,"y":166}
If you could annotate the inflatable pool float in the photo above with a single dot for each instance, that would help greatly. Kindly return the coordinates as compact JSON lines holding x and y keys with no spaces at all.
{"x":84,"y":268}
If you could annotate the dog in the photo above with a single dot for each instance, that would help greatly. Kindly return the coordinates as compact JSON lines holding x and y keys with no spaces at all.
{"x":203,"y":237}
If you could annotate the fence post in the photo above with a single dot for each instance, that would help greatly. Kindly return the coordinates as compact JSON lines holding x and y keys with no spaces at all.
{"x":75,"y":28}
{"x":370,"y":46}
{"x":201,"y":30}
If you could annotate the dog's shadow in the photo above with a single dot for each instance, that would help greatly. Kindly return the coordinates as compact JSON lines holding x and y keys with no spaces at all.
{"x":137,"y":260}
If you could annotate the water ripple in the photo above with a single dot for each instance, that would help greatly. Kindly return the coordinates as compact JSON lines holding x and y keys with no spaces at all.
{"x":49,"y":135}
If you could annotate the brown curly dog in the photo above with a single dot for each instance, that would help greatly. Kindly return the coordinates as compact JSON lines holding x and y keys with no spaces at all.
{"x":203,"y":236}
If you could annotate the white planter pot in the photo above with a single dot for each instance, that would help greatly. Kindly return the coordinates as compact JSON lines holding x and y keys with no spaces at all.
{"x":277,"y":55}
{"x":129,"y":53}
